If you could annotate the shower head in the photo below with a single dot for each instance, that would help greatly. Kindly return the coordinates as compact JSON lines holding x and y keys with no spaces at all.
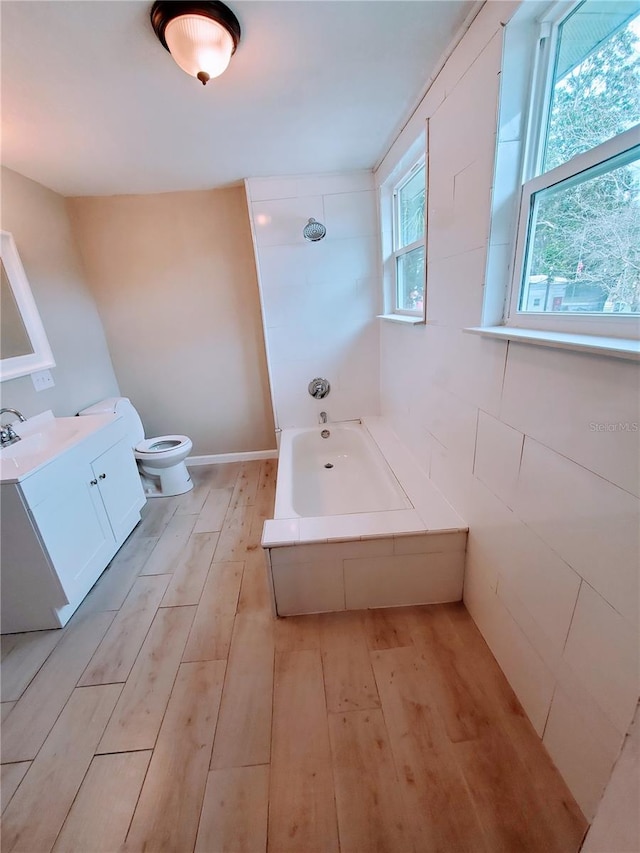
{"x":314,"y":231}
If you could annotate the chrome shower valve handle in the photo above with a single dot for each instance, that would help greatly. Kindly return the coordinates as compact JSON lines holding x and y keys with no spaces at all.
{"x":319,"y":388}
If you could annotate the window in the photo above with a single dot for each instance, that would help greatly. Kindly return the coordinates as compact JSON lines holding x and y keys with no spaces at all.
{"x":578,"y":245}
{"x":409,"y":242}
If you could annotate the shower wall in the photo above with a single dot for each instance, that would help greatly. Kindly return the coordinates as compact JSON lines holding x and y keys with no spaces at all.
{"x":536,"y":448}
{"x":319,"y":300}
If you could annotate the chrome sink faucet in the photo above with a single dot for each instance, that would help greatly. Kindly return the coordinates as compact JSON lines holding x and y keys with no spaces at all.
{"x":323,"y":417}
{"x":7,"y":433}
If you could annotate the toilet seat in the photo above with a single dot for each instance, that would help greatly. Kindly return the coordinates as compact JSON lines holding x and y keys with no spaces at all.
{"x":161,"y":444}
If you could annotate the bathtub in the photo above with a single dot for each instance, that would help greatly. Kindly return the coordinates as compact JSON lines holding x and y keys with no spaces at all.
{"x":336,"y":469}
{"x":357,"y":524}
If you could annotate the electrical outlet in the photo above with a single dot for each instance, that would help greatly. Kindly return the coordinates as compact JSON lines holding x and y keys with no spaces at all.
{"x":42,"y":379}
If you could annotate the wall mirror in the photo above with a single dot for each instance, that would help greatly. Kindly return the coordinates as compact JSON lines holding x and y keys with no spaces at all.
{"x":24,"y":347}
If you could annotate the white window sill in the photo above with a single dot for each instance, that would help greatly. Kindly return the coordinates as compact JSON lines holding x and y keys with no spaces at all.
{"x":616,"y":347}
{"x":407,"y":319}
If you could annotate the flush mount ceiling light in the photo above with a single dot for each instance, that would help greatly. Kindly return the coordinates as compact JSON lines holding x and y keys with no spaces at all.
{"x":202,"y":37}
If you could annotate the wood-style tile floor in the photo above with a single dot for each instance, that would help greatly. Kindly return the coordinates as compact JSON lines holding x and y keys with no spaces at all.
{"x":173,"y":713}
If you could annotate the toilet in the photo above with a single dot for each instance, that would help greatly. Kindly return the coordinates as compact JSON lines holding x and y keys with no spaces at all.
{"x":161,"y":460}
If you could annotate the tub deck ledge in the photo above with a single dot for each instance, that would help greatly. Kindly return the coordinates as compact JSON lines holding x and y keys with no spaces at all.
{"x":370,"y":559}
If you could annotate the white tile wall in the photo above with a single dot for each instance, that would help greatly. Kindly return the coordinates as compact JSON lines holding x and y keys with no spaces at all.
{"x":474,"y":44}
{"x":476,"y":371}
{"x":466,"y":137}
{"x":338,"y":528}
{"x":454,"y":293}
{"x":546,"y":585}
{"x":341,"y":550}
{"x":582,"y":751}
{"x":336,"y":263}
{"x":590,"y":523}
{"x":402,"y":580}
{"x":469,"y":366}
{"x":289,"y":388}
{"x":268,"y":188}
{"x":617,"y":826}
{"x":498,"y":454}
{"x":436,"y":513}
{"x":343,"y":182}
{"x":263,"y":189}
{"x":314,"y":587}
{"x":552,"y":559}
{"x":415,"y":435}
{"x":277,"y":222}
{"x":352,"y":214}
{"x":531,"y":679}
{"x":430,"y":544}
{"x":471,"y":196}
{"x":276,"y":263}
{"x":602,"y":649}
{"x":546,"y":647}
{"x":526,"y":572}
{"x":572,"y":392}
{"x":384,"y":572}
{"x":320,"y":299}
{"x":454,"y":480}
{"x":453,"y":423}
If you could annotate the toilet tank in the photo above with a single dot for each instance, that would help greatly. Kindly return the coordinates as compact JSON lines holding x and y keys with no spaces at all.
{"x":120,"y":406}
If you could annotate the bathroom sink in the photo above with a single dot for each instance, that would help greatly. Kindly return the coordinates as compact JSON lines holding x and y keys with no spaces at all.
{"x":42,"y":439}
{"x":48,"y":439}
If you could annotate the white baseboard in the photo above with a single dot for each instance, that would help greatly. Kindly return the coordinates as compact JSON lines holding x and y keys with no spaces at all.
{"x":218,"y":458}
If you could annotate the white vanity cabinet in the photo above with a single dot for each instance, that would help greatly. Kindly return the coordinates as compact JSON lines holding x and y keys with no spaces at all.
{"x":62,"y":525}
{"x":119,"y":487}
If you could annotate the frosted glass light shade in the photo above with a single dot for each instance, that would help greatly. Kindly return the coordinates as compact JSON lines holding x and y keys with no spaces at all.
{"x":199,"y":44}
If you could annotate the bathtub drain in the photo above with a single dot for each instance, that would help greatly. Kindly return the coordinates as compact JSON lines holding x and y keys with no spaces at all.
{"x":329,"y":465}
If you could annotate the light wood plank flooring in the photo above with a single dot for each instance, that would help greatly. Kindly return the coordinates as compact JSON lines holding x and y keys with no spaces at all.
{"x":173,"y":713}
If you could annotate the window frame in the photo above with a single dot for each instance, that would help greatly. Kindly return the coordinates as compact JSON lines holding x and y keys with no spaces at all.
{"x":398,"y":252}
{"x":533,"y":180}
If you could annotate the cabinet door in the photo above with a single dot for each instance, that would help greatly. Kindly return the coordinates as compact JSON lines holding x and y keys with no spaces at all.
{"x":75,"y":531}
{"x":120,"y":488}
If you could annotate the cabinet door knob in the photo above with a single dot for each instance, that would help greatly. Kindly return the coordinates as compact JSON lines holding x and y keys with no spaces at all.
{"x":102,"y":477}
{"x":94,"y":482}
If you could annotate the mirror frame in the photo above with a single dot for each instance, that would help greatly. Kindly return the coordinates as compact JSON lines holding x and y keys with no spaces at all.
{"x":41,"y":357}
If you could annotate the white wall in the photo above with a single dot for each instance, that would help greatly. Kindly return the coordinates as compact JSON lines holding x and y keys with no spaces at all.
{"x":319,"y":299}
{"x":506,"y":431}
{"x":617,"y":824}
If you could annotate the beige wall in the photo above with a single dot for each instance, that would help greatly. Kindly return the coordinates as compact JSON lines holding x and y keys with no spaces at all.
{"x":174,"y":278}
{"x":38,"y":220}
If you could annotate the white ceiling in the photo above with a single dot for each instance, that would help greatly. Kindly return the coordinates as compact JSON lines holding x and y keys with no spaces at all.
{"x":92,"y":104}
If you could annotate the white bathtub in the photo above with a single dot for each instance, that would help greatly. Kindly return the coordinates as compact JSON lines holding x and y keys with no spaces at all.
{"x":370,"y":531}
{"x":340,"y":474}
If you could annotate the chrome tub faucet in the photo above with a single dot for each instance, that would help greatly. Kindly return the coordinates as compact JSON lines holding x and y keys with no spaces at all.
{"x":323,"y":417}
